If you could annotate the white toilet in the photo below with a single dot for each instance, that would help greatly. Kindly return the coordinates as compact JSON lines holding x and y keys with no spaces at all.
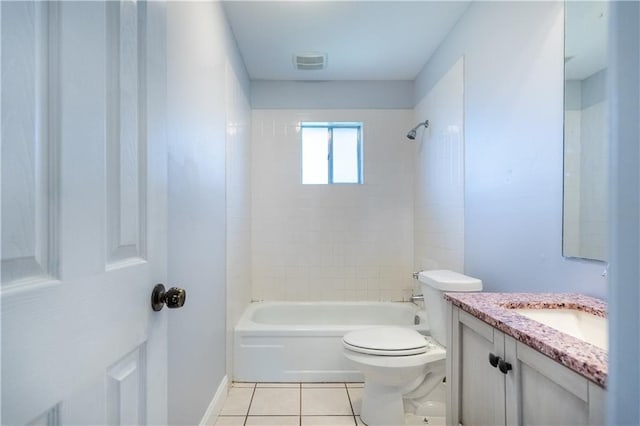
{"x":396,"y":360}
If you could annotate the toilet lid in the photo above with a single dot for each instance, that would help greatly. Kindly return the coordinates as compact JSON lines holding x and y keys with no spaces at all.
{"x":387,"y":341}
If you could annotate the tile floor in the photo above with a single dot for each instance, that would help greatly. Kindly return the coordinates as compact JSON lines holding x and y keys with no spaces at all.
{"x":284,"y":404}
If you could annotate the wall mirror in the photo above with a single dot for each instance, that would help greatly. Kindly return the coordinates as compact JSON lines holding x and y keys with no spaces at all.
{"x":586,"y":148}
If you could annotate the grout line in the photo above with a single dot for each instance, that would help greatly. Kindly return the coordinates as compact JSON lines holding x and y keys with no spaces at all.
{"x":300,"y":389}
{"x":293,"y":415}
{"x":327,"y":415}
{"x":353,"y":412}
{"x":350,"y":402}
{"x":246,"y":417}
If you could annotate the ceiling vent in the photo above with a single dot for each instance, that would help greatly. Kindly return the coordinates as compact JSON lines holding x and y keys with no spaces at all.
{"x":310,"y":61}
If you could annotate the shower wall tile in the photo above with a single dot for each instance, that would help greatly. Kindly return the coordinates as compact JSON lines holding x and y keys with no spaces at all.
{"x":331,"y":242}
{"x":439,"y":176}
{"x":593,"y":191}
{"x":238,"y":196}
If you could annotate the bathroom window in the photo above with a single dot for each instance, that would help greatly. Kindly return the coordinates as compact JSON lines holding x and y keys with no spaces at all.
{"x":331,"y":153}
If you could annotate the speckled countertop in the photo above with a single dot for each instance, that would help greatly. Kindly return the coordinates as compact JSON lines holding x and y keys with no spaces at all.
{"x":494,"y":309}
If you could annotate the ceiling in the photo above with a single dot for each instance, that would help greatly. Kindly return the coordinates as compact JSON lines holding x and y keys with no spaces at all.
{"x":364,"y":40}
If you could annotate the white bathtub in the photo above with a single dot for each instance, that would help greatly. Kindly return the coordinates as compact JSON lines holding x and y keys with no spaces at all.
{"x":302,"y":341}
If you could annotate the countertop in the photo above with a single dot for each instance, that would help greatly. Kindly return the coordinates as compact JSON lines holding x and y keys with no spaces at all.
{"x":493,"y":308}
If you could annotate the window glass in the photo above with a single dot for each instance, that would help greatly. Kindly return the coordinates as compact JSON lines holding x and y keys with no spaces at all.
{"x":345,"y":155}
{"x":315,"y":154}
{"x":331,"y":153}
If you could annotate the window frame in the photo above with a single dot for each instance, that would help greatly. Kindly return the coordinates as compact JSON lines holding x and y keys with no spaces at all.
{"x":330,"y":126}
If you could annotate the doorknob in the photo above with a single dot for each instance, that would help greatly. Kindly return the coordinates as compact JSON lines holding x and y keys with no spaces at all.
{"x":504,"y":366}
{"x":173,"y":298}
{"x":494,"y":360}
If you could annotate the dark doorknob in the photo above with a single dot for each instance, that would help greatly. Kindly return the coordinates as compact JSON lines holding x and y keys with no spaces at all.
{"x":173,"y":298}
{"x":504,"y":366}
{"x":494,"y":360}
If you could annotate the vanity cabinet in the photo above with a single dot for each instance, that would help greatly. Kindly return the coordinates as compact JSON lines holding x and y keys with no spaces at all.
{"x":494,"y":379}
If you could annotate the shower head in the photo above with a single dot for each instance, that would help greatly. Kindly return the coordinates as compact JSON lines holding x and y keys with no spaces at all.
{"x":412,"y":133}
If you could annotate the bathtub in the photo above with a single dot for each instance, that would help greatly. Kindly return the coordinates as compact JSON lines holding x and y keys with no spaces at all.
{"x":302,"y":341}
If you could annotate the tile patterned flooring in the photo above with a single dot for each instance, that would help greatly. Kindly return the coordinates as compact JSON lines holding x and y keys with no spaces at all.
{"x":284,"y":404}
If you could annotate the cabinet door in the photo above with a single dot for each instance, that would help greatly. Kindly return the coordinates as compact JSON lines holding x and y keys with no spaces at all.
{"x":541,"y":391}
{"x":476,"y":389}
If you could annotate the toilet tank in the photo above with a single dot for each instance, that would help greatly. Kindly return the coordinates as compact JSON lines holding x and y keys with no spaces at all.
{"x":434,"y":285}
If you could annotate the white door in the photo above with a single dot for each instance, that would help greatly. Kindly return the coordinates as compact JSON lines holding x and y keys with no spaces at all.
{"x":83,"y":212}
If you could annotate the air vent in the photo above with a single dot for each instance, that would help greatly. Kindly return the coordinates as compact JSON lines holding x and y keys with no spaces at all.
{"x":310,"y":61}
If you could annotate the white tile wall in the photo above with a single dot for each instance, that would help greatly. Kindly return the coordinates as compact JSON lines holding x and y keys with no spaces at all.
{"x":439,"y":176}
{"x":331,"y":242}
{"x":238,"y":192}
{"x":594,"y":191}
{"x":585,"y":183}
{"x":571,"y":193}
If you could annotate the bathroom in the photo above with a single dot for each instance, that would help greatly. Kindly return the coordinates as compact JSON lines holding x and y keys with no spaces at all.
{"x":235,"y":225}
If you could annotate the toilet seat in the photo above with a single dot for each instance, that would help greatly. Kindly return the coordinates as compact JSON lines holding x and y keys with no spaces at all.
{"x":393,"y":361}
{"x":387,"y":341}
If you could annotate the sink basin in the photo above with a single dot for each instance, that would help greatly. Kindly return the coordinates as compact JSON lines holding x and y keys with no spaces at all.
{"x":579,"y":324}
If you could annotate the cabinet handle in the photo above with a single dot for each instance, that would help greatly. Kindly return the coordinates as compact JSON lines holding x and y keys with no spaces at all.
{"x":504,"y":366}
{"x":494,"y":360}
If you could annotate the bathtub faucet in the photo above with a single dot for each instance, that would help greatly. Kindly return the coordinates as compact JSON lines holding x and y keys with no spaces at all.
{"x":416,"y":297}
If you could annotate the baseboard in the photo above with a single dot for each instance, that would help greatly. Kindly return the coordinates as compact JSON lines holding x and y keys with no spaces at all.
{"x":215,"y":406}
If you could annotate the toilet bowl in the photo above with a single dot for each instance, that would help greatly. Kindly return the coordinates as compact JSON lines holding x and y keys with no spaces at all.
{"x":396,"y":361}
{"x":391,"y":359}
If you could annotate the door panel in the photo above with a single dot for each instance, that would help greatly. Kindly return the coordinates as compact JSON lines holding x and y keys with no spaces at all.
{"x":125,"y":390}
{"x":562,"y":407}
{"x":482,"y":390}
{"x":126,"y":148}
{"x":28,"y":243}
{"x":538,"y":381}
{"x":83,"y":212}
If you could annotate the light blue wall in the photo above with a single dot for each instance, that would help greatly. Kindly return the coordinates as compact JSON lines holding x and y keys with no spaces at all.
{"x":200,"y":53}
{"x":594,"y":89}
{"x":573,"y":95}
{"x":513,"y":89}
{"x":581,"y":94}
{"x":623,"y":86}
{"x":268,"y":94}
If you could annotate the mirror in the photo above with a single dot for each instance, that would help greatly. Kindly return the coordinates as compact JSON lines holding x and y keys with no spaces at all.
{"x":585,"y":131}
